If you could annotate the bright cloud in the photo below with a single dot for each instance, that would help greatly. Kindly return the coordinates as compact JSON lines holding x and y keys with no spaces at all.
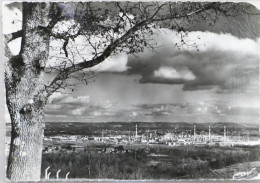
{"x":206,"y":41}
{"x":12,"y":22}
{"x":117,"y":63}
{"x":56,"y":96}
{"x":76,"y":100}
{"x":223,"y":62}
{"x":171,"y":73}
{"x":78,"y":111}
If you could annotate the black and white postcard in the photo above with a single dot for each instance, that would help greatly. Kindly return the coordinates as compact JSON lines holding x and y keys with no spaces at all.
{"x":131,"y":90}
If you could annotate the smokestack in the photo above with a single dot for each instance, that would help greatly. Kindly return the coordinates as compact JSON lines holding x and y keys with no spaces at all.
{"x":225,"y":133}
{"x":209,"y":132}
{"x":248,"y":135}
{"x":194,"y":135}
{"x":136,"y":131}
{"x":102,"y":136}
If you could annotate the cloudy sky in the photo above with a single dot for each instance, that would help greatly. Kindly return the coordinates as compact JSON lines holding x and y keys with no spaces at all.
{"x":219,"y":82}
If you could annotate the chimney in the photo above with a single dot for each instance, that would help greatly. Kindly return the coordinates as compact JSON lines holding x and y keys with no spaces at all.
{"x":102,"y":136}
{"x":225,"y":137}
{"x":194,"y":135}
{"x":209,"y":133}
{"x":136,"y":131}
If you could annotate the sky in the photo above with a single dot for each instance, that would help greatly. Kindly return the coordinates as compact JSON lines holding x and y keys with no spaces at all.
{"x":216,"y":82}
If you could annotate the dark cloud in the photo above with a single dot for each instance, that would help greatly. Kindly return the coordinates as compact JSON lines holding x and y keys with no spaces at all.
{"x":242,"y":25}
{"x":216,"y":66}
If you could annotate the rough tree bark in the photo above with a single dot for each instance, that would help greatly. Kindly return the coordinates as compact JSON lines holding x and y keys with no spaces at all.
{"x":24,"y":96}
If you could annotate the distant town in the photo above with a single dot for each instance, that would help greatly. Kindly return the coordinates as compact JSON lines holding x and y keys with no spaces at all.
{"x":152,"y":137}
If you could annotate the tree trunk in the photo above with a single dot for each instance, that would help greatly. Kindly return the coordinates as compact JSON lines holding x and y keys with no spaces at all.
{"x":25,"y":95}
{"x":24,"y":161}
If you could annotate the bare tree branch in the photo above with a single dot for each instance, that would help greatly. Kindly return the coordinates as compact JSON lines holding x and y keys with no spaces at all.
{"x":12,"y":36}
{"x":151,"y":17}
{"x":57,"y":82}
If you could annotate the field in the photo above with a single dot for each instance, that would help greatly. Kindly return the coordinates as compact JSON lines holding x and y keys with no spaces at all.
{"x":137,"y":161}
{"x":160,"y":162}
{"x":96,"y":160}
